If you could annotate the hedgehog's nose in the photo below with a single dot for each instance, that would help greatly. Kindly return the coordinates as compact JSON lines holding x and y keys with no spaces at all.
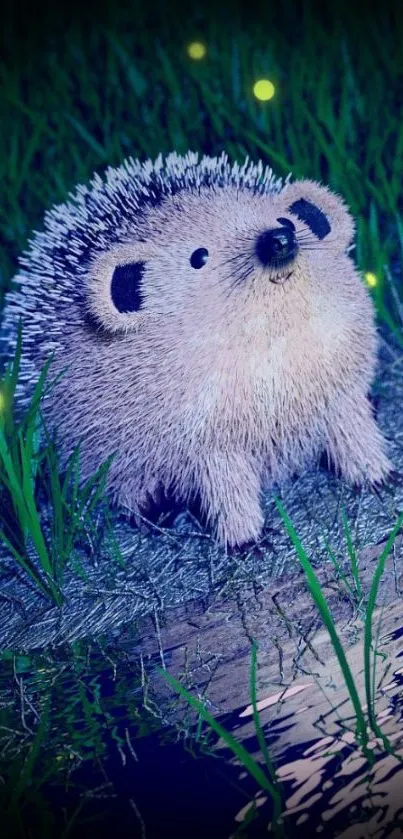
{"x":276,"y":247}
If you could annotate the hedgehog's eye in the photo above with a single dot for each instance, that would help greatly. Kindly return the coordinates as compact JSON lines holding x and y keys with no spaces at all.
{"x":199,"y":258}
{"x":286,"y":222}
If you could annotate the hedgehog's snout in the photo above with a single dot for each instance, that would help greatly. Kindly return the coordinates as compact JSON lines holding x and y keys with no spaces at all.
{"x":275,"y":248}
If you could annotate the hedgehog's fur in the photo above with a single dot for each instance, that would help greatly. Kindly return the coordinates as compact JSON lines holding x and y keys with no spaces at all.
{"x":216,"y":381}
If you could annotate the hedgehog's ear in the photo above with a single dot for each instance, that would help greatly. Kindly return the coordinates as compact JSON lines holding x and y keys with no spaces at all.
{"x":115,"y":287}
{"x":319,"y":210}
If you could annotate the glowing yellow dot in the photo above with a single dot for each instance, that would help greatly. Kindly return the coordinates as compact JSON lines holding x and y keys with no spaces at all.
{"x":264,"y":90}
{"x":196,"y":50}
{"x":371,"y":279}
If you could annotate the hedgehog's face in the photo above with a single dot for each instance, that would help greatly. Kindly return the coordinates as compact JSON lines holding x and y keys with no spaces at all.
{"x":199,"y":248}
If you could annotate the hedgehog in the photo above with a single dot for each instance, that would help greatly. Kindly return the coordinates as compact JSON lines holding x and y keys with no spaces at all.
{"x":209,"y":332}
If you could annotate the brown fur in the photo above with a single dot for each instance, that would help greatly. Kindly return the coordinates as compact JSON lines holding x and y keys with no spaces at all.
{"x":218,"y":389}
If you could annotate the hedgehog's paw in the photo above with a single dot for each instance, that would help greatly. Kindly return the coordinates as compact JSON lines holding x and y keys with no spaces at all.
{"x":230,"y":486}
{"x":238,"y":530}
{"x":359,"y":455}
{"x":356,"y":444}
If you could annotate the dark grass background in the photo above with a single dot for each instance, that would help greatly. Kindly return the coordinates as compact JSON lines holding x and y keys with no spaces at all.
{"x":84,"y":86}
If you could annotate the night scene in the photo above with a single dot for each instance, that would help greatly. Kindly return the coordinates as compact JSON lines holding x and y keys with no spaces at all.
{"x":201,"y":419}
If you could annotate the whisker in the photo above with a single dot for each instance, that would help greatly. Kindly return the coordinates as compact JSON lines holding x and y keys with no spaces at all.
{"x":305,"y":237}
{"x":315,"y":245}
{"x":230,"y":260}
{"x":315,"y":248}
{"x":241,"y":279}
{"x":304,"y":230}
{"x":235,"y":258}
{"x":241,"y":260}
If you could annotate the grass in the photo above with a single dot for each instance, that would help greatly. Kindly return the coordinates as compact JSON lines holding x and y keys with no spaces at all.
{"x":266,"y":780}
{"x":365,"y":723}
{"x":354,"y":588}
{"x":30,"y":475}
{"x":58,"y":727}
{"x":122,"y":83}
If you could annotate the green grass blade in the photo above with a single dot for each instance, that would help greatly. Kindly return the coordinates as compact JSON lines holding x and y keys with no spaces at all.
{"x":134,"y":77}
{"x":320,"y":600}
{"x":28,"y":567}
{"x":32,"y":517}
{"x":352,"y":554}
{"x":278,"y":804}
{"x":11,"y":475}
{"x":239,"y":751}
{"x":27,"y":771}
{"x":368,"y":624}
{"x":85,"y":134}
{"x":339,"y":569}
